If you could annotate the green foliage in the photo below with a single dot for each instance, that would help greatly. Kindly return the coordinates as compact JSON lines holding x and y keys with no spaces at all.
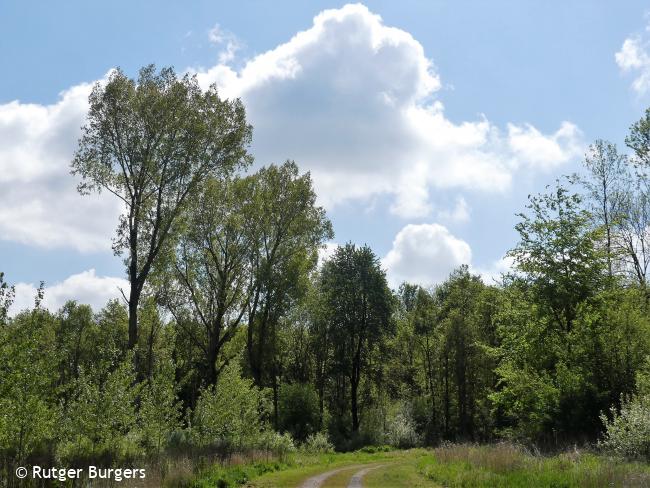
{"x":289,"y":229}
{"x":28,"y":408}
{"x":318,"y":443}
{"x":401,"y":429}
{"x":298,"y":408}
{"x":150,"y":142}
{"x":233,"y":476}
{"x":159,"y":413}
{"x":558,"y":254}
{"x":281,"y":445}
{"x":106,"y":391}
{"x":234,"y":341}
{"x":229,"y":413}
{"x":209,"y":278}
{"x":7,"y":294}
{"x":527,"y":400}
{"x":505,"y":465}
{"x":627,"y":433}
{"x":357,"y":308}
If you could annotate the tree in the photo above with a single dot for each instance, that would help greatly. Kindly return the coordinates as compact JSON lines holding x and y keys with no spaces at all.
{"x":558,"y":254}
{"x":608,"y":187}
{"x":359,"y":305}
{"x":288,"y":228}
{"x":149,"y":143}
{"x":6,"y":298}
{"x":211,"y":277}
{"x":636,"y":232}
{"x":106,"y":391}
{"x":159,"y":413}
{"x":28,"y":406}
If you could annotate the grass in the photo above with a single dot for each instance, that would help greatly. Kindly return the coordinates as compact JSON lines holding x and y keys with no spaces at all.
{"x":466,"y":466}
{"x":402,"y":474}
{"x":306,"y":466}
{"x":505,"y":465}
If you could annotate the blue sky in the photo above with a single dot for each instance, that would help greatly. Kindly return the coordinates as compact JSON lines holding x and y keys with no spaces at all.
{"x":425,"y":124}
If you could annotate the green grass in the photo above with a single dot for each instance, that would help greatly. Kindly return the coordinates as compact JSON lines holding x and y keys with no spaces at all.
{"x":465,"y":466}
{"x":403,"y":474}
{"x":509,"y":466}
{"x":231,"y":476}
{"x":306,"y":466}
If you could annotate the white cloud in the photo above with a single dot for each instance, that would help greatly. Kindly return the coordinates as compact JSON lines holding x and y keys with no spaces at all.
{"x":227,"y":41}
{"x":40,"y":204}
{"x":85,"y":287}
{"x":492,"y":273}
{"x":534,"y":148}
{"x":458,"y":214}
{"x":634,"y":57}
{"x":351,"y":100}
{"x":424,"y":254}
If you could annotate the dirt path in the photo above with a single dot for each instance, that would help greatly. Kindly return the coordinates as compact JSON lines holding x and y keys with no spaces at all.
{"x":317,"y":481}
{"x":355,"y":481}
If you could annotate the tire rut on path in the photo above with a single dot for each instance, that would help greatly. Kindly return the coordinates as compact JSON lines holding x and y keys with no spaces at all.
{"x":318,"y":480}
{"x":355,"y":481}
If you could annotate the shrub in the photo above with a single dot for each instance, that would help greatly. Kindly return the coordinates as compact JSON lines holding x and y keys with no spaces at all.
{"x":100,"y":395}
{"x":229,"y":414}
{"x":159,"y":414}
{"x":401,"y":430}
{"x":279,"y":444}
{"x":628,"y":432}
{"x":318,"y":443}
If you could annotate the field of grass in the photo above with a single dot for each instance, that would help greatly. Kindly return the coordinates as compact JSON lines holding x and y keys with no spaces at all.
{"x":467,"y":466}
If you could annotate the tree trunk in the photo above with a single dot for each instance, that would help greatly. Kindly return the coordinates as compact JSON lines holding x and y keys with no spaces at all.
{"x":211,"y":358}
{"x":354,"y":406}
{"x":134,"y":298}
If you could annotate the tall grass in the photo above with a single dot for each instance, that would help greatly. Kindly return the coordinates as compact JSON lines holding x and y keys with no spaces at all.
{"x":510,"y":465}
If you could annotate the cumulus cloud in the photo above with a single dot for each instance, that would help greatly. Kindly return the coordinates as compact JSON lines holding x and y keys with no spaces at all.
{"x":351,"y":99}
{"x":424,"y":254}
{"x":536,"y":149}
{"x":40,"y":205}
{"x":85,"y":287}
{"x":633,"y":57}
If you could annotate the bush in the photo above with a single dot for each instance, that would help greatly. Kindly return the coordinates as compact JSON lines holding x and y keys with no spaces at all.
{"x":318,"y":443}
{"x":401,"y":430}
{"x":279,"y":444}
{"x":159,"y":414}
{"x":100,"y":395}
{"x":229,"y":414}
{"x":298,"y":410}
{"x":628,"y":432}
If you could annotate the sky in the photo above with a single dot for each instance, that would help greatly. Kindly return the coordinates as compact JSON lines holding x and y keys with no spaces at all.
{"x":425,"y":124}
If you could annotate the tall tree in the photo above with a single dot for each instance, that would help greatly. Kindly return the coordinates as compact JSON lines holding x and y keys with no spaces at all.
{"x":608,"y":186}
{"x":149,"y":143}
{"x":636,"y":232}
{"x":289,"y":229}
{"x":359,"y":306}
{"x":212,"y":279}
{"x":558,"y":253}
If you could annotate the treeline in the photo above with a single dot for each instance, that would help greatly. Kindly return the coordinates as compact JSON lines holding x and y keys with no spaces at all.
{"x":233,"y":337}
